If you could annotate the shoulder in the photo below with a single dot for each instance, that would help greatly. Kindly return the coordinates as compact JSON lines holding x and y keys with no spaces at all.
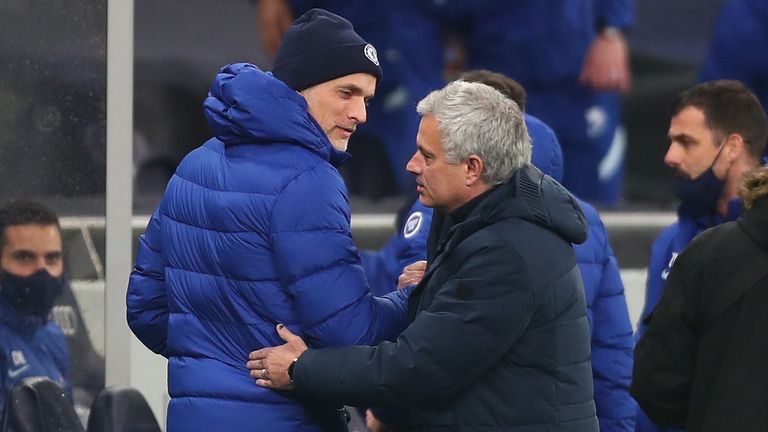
{"x":722,"y":240}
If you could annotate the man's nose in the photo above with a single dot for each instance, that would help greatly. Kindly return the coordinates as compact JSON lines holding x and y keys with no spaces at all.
{"x":413,"y":165}
{"x":673,"y":156}
{"x":358,"y":111}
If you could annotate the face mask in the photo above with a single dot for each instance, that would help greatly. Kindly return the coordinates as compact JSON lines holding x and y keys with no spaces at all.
{"x":33,"y":294}
{"x":700,"y":195}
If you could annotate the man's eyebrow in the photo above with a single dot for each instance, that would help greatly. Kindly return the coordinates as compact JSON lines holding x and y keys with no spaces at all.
{"x":682,"y":136}
{"x":354,"y":88}
{"x":22,"y":253}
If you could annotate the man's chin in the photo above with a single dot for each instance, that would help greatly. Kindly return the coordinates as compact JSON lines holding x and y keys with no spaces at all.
{"x":340,"y":145}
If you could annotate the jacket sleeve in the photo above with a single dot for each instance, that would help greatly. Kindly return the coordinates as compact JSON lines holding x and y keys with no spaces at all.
{"x":661,"y":255}
{"x":409,"y":245}
{"x":665,"y":357}
{"x":147,"y":304}
{"x":612,"y":345}
{"x":319,"y":265}
{"x":474,"y":319}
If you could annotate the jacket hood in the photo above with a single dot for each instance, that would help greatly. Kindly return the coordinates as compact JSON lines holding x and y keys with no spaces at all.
{"x":248,"y":106}
{"x":547,"y":154}
{"x":536,"y":198}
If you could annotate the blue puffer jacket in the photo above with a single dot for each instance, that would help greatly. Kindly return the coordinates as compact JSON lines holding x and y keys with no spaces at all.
{"x":29,"y":346}
{"x":611,"y":329}
{"x":253,"y":230}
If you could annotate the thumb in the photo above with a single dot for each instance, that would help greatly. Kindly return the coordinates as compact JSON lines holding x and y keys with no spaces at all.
{"x":285,"y":334}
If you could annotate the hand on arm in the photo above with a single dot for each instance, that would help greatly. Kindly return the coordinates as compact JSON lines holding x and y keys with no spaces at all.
{"x":412,"y":274}
{"x":269,"y":366}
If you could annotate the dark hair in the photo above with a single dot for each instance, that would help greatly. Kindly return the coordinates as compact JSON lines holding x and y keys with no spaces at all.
{"x":506,"y":85}
{"x":25,"y":213}
{"x":728,"y":107}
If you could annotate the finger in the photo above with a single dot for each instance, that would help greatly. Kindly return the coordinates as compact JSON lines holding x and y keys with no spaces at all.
{"x":265,"y":383}
{"x":255,"y":364}
{"x":259,"y":354}
{"x":285,"y":334}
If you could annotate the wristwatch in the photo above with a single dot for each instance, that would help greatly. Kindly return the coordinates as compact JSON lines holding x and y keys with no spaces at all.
{"x":290,"y":369}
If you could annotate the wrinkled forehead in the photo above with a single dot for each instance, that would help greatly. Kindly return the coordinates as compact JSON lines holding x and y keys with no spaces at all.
{"x":34,"y":237}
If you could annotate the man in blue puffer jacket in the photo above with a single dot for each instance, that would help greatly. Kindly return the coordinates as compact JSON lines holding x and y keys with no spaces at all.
{"x":610,"y":326}
{"x":254,"y":230}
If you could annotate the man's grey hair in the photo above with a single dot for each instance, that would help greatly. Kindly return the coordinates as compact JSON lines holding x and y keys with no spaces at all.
{"x":476,"y":119}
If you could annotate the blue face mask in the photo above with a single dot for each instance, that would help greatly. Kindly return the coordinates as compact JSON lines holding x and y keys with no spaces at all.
{"x":699,"y":195}
{"x":31,"y":295}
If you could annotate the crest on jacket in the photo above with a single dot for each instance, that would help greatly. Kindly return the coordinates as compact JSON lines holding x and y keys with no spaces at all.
{"x":413,"y":224}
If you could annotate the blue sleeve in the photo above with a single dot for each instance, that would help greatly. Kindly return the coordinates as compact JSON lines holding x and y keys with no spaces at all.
{"x":740,"y":33}
{"x":413,"y":236}
{"x":615,"y":13}
{"x":409,"y":245}
{"x":318,"y":264}
{"x":3,"y":378}
{"x":611,"y":329}
{"x":612,"y":346}
{"x":147,"y":303}
{"x":661,"y":256}
{"x":380,"y":266}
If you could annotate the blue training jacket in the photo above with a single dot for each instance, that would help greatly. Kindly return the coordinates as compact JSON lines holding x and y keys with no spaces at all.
{"x":612,"y":342}
{"x":253,"y":230}
{"x":30,"y":346}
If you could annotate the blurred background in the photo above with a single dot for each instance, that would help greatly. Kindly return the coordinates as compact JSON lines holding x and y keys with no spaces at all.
{"x":53,"y":119}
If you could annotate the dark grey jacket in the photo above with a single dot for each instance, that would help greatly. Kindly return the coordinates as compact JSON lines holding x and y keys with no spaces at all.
{"x":499,"y":338}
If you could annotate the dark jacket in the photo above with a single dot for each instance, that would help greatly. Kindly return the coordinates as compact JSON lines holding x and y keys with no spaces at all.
{"x":253,"y":230}
{"x":611,"y":330}
{"x":499,"y":338}
{"x":702,"y":361}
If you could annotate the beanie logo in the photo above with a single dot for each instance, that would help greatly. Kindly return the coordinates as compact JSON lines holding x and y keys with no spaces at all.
{"x":370,"y":52}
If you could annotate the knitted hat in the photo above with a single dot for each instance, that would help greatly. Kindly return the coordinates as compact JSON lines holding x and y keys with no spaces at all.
{"x":320,"y":46}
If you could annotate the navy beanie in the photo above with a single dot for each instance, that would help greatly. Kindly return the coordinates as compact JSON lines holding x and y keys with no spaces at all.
{"x":321,"y":46}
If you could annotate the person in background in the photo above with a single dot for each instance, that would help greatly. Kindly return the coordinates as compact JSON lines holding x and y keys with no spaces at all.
{"x":701,"y":362}
{"x":254,"y":230}
{"x":576,"y":62}
{"x":740,"y":34}
{"x":717,"y":132}
{"x":31,"y":278}
{"x":499,"y":314}
{"x":610,"y":326}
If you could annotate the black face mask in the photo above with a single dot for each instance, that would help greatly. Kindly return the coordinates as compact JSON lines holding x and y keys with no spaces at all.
{"x":31,"y":295}
{"x":700,"y":195}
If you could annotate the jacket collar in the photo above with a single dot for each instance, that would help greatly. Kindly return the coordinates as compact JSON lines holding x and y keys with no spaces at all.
{"x":755,"y":222}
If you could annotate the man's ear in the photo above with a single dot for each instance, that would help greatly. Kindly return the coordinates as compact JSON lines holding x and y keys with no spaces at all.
{"x":735,"y":146}
{"x":475,"y":167}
